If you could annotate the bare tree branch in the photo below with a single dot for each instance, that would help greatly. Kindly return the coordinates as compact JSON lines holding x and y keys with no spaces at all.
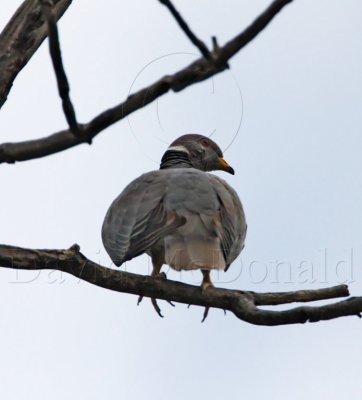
{"x":20,"y":39}
{"x":56,"y":56}
{"x":184,"y":26}
{"x":300,"y":296}
{"x":241,"y":40}
{"x":242,"y":304}
{"x":198,"y":71}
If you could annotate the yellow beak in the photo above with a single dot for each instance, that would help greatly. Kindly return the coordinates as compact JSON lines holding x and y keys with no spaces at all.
{"x":225,"y":166}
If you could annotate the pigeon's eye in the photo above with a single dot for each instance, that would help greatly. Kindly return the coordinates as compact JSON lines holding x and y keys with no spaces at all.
{"x":204,"y":142}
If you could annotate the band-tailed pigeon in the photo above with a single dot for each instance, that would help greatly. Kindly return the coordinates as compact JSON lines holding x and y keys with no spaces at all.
{"x":179,"y":215}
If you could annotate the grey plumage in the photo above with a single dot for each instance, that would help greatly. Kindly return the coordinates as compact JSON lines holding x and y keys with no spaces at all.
{"x":179,"y":215}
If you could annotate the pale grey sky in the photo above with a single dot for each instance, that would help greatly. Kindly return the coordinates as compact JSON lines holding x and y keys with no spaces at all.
{"x":298,"y":172}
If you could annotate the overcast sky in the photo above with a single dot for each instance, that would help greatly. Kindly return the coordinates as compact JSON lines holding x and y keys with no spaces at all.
{"x":287,"y":114}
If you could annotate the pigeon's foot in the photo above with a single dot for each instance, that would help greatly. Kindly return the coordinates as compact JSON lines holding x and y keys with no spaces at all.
{"x":206,"y":284}
{"x":156,"y":275}
{"x":206,"y":281}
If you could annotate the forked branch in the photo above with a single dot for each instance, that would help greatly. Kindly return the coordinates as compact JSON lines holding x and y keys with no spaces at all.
{"x":185,"y":27}
{"x":198,"y":71}
{"x":56,"y":56}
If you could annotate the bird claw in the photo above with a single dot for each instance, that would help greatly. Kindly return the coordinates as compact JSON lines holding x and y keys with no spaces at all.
{"x":156,"y":307}
{"x":161,"y":275}
{"x":206,"y":313}
{"x":206,"y":284}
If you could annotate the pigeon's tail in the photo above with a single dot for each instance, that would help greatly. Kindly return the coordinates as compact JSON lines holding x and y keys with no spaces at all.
{"x":194,"y":245}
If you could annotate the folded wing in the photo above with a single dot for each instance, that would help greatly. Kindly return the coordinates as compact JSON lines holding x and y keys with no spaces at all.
{"x":137,"y":218}
{"x":230,"y":221}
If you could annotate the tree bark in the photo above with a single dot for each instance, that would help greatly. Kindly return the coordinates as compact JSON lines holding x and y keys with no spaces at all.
{"x":21,"y":38}
{"x":243,"y":304}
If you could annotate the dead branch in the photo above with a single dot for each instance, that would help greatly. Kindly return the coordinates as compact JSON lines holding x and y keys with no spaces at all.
{"x":198,"y":71}
{"x":56,"y":56}
{"x":242,"y":303}
{"x":21,"y":38}
{"x":184,"y":26}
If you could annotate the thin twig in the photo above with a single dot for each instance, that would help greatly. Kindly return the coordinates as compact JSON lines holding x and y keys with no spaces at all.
{"x":300,"y":296}
{"x":184,"y":26}
{"x":259,"y":24}
{"x":56,"y":56}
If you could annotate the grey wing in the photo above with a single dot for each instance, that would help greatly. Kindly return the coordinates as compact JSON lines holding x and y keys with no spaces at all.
{"x":230,"y":222}
{"x":137,"y":218}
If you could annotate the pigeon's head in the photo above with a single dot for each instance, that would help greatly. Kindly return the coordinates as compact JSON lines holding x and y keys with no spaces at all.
{"x":197,"y":151}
